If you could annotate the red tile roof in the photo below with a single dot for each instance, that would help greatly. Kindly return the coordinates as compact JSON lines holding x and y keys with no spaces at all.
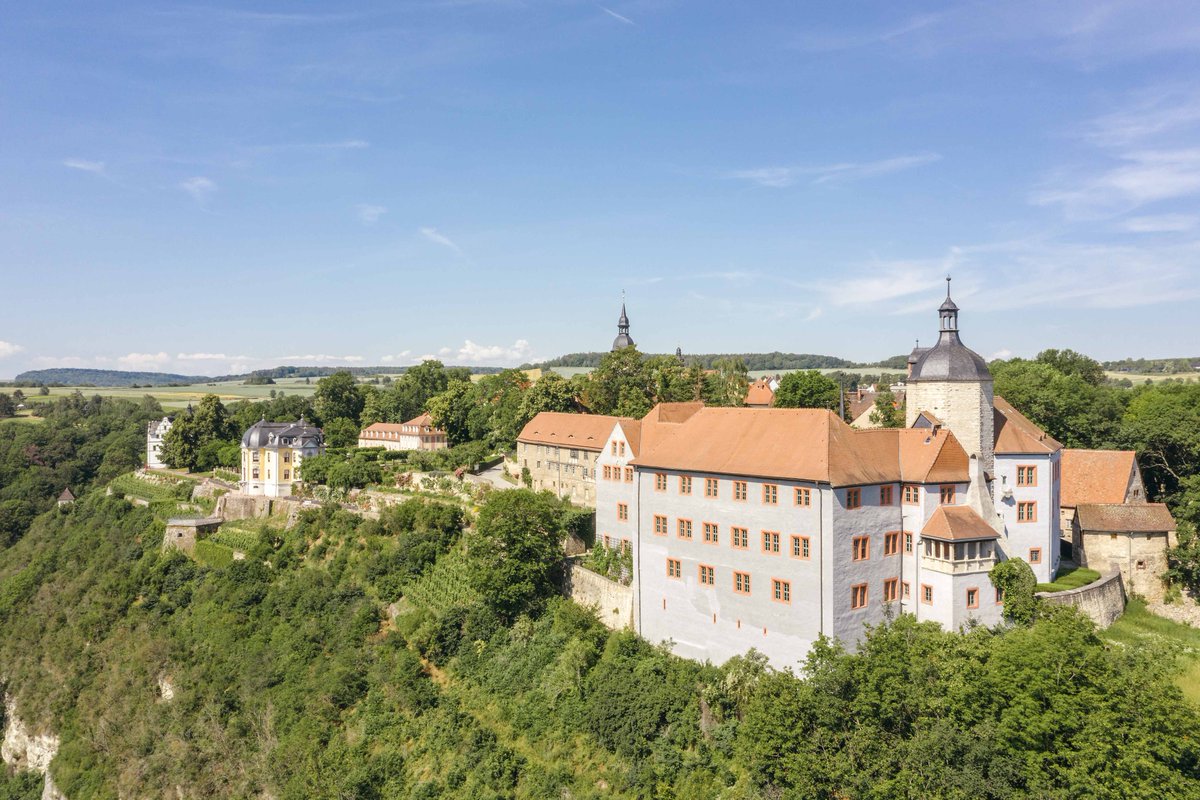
{"x":582,"y":431}
{"x":1096,"y":476}
{"x":1125,"y":517}
{"x":1017,"y":435}
{"x":956,"y":524}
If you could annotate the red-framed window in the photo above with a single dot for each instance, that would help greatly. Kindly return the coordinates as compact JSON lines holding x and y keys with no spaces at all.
{"x":947,"y":496}
{"x":674,"y":568}
{"x":660,"y":482}
{"x":861,"y":548}
{"x":891,"y":543}
{"x":711,"y":533}
{"x":770,"y":494}
{"x":858,"y":596}
{"x":707,"y":575}
{"x":710,"y":487}
{"x":800,"y":547}
{"x":623,"y":511}
{"x":911,"y":494}
{"x":739,"y":538}
{"x":803,"y":496}
{"x":770,"y":542}
{"x":685,"y":484}
{"x":885,"y":495}
{"x":926,"y":594}
{"x":660,"y":525}
{"x":684,"y":528}
{"x":1026,"y":475}
{"x":741,"y":582}
{"x":781,"y":590}
{"x":891,"y":590}
{"x":853,"y":498}
{"x":739,"y":490}
{"x":973,"y":597}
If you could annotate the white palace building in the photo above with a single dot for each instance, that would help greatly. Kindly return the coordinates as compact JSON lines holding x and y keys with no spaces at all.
{"x":765,"y":528}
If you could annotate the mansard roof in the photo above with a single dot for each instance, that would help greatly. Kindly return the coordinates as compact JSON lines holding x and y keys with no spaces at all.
{"x":797,"y":444}
{"x":1016,"y":434}
{"x":275,"y":434}
{"x":1096,"y":476}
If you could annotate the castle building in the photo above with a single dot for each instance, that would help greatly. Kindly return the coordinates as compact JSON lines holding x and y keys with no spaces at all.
{"x":418,"y":433}
{"x":767,"y":528}
{"x":156,"y":433}
{"x":272,"y":455}
{"x":560,"y":451}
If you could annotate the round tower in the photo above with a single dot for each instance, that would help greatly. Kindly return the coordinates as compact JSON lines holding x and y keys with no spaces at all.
{"x":952,"y":382}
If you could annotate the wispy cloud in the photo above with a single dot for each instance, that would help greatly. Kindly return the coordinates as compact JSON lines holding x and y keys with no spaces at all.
{"x":94,"y":167}
{"x":403,"y":355}
{"x":9,"y":349}
{"x":1162,"y":223}
{"x":211,"y":357}
{"x":616,"y":16}
{"x":1142,"y":177}
{"x":783,"y":177}
{"x":370,"y":214}
{"x":434,"y":236}
{"x":1153,"y":113}
{"x":322,"y":358}
{"x":831,"y":41}
{"x":142,"y":361}
{"x":199,"y":187}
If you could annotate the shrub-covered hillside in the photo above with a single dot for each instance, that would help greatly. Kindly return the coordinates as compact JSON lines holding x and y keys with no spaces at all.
{"x":291,"y":679}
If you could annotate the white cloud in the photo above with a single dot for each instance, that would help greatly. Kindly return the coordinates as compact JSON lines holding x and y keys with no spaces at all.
{"x":1146,"y":176}
{"x":434,"y":236}
{"x":1004,"y":353}
{"x":9,"y":349}
{"x":782,"y":177}
{"x":1155,"y":114}
{"x":617,"y":16}
{"x":473,"y":354}
{"x":322,"y":358}
{"x":199,"y":187}
{"x":370,"y":214}
{"x":204,"y":356}
{"x":142,"y":361}
{"x":816,"y":313}
{"x":401,"y":356}
{"x":1162,"y":223}
{"x":96,"y":167}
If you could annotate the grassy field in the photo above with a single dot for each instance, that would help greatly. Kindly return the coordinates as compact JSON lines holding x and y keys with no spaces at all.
{"x":1138,"y":626}
{"x":181,"y":396}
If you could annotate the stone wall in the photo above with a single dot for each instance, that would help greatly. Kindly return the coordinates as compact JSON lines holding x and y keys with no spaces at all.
{"x":612,"y":601}
{"x":1141,"y":558}
{"x":1103,"y":601}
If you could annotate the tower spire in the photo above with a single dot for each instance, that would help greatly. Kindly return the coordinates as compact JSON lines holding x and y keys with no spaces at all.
{"x":948,"y":313}
{"x":623,"y":338}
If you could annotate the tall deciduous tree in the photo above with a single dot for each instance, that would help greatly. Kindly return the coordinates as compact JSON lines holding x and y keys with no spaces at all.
{"x":516,"y":550}
{"x":807,"y":389}
{"x":337,"y":397}
{"x":887,"y":412}
{"x":726,"y":385}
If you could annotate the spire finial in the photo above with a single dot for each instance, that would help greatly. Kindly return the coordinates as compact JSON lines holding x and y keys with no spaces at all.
{"x":947,"y":287}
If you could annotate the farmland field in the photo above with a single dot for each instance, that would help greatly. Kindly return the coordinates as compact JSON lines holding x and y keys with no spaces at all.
{"x":180,"y":396}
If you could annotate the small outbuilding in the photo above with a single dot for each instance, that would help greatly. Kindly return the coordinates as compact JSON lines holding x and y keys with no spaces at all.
{"x":66,"y":498}
{"x":1131,"y":537}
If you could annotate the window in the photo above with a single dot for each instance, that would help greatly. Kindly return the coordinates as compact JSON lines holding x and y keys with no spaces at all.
{"x":770,"y":541}
{"x":891,"y":590}
{"x":621,"y":448}
{"x":741,"y":582}
{"x":891,"y":543}
{"x":1035,"y":555}
{"x":885,"y":495}
{"x":905,"y":589}
{"x":858,"y":596}
{"x":781,"y":590}
{"x":907,"y":542}
{"x":711,"y":536}
{"x":629,"y":474}
{"x":674,"y":568}
{"x":685,"y":529}
{"x":708,"y":576}
{"x":287,"y":456}
{"x":1027,"y":511}
{"x":999,"y":596}
{"x":739,"y":490}
{"x":926,"y":594}
{"x":287,"y":474}
{"x":972,"y":598}
{"x":853,"y":498}
{"x":685,"y":484}
{"x":1026,"y":476}
{"x":254,"y":456}
{"x":254,"y":474}
{"x":912,"y":494}
{"x":800,"y":547}
{"x":710,"y":487}
{"x":607,"y":472}
{"x":574,"y":455}
{"x":862,"y":547}
{"x":623,"y":511}
{"x":740,"y":538}
{"x":947,"y":498}
{"x":770,"y":494}
{"x":660,"y":482}
{"x":614,"y":448}
{"x":803,"y":497}
{"x":660,"y":525}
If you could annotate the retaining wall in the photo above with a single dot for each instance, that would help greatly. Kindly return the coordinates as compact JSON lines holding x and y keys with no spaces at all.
{"x":612,"y":601}
{"x":1103,"y":601}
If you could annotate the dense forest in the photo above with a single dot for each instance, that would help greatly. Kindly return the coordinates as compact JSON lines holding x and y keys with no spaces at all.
{"x":753,"y":361}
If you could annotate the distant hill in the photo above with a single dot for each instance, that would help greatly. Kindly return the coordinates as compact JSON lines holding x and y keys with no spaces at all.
{"x":72,"y":376}
{"x":754,"y":361}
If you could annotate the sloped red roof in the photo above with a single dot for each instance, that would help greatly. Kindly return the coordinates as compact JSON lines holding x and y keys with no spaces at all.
{"x":1125,"y":517}
{"x":1096,"y":476}
{"x":956,"y":524}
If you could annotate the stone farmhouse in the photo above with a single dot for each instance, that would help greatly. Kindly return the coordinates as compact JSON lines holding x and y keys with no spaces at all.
{"x":417,"y":434}
{"x":272,"y":455}
{"x":560,"y":452}
{"x":765,"y":528}
{"x":1130,"y":537}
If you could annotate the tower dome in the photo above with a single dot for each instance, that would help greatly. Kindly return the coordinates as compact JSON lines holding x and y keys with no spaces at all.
{"x":949,"y":359}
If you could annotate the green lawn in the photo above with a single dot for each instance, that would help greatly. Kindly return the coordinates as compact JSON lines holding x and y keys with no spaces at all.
{"x":1070,"y":579}
{"x":181,"y":396}
{"x":1138,"y":626}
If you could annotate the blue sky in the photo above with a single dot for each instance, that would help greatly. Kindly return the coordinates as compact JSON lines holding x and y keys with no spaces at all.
{"x":213,"y":187}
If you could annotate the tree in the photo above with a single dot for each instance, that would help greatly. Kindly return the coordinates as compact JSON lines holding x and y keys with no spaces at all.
{"x":516,"y":550}
{"x":451,"y":409}
{"x":807,"y":389}
{"x":1016,"y":581}
{"x":887,"y":412}
{"x":1067,"y":407}
{"x":7,"y":407}
{"x":551,"y":392}
{"x":621,"y":385}
{"x":726,"y":385}
{"x":340,"y":432}
{"x":337,"y":396}
{"x":195,"y":439}
{"x":1068,"y":362}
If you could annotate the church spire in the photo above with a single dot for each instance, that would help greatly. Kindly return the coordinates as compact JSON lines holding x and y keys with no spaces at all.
{"x":948,"y":313}
{"x":623,"y":338}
